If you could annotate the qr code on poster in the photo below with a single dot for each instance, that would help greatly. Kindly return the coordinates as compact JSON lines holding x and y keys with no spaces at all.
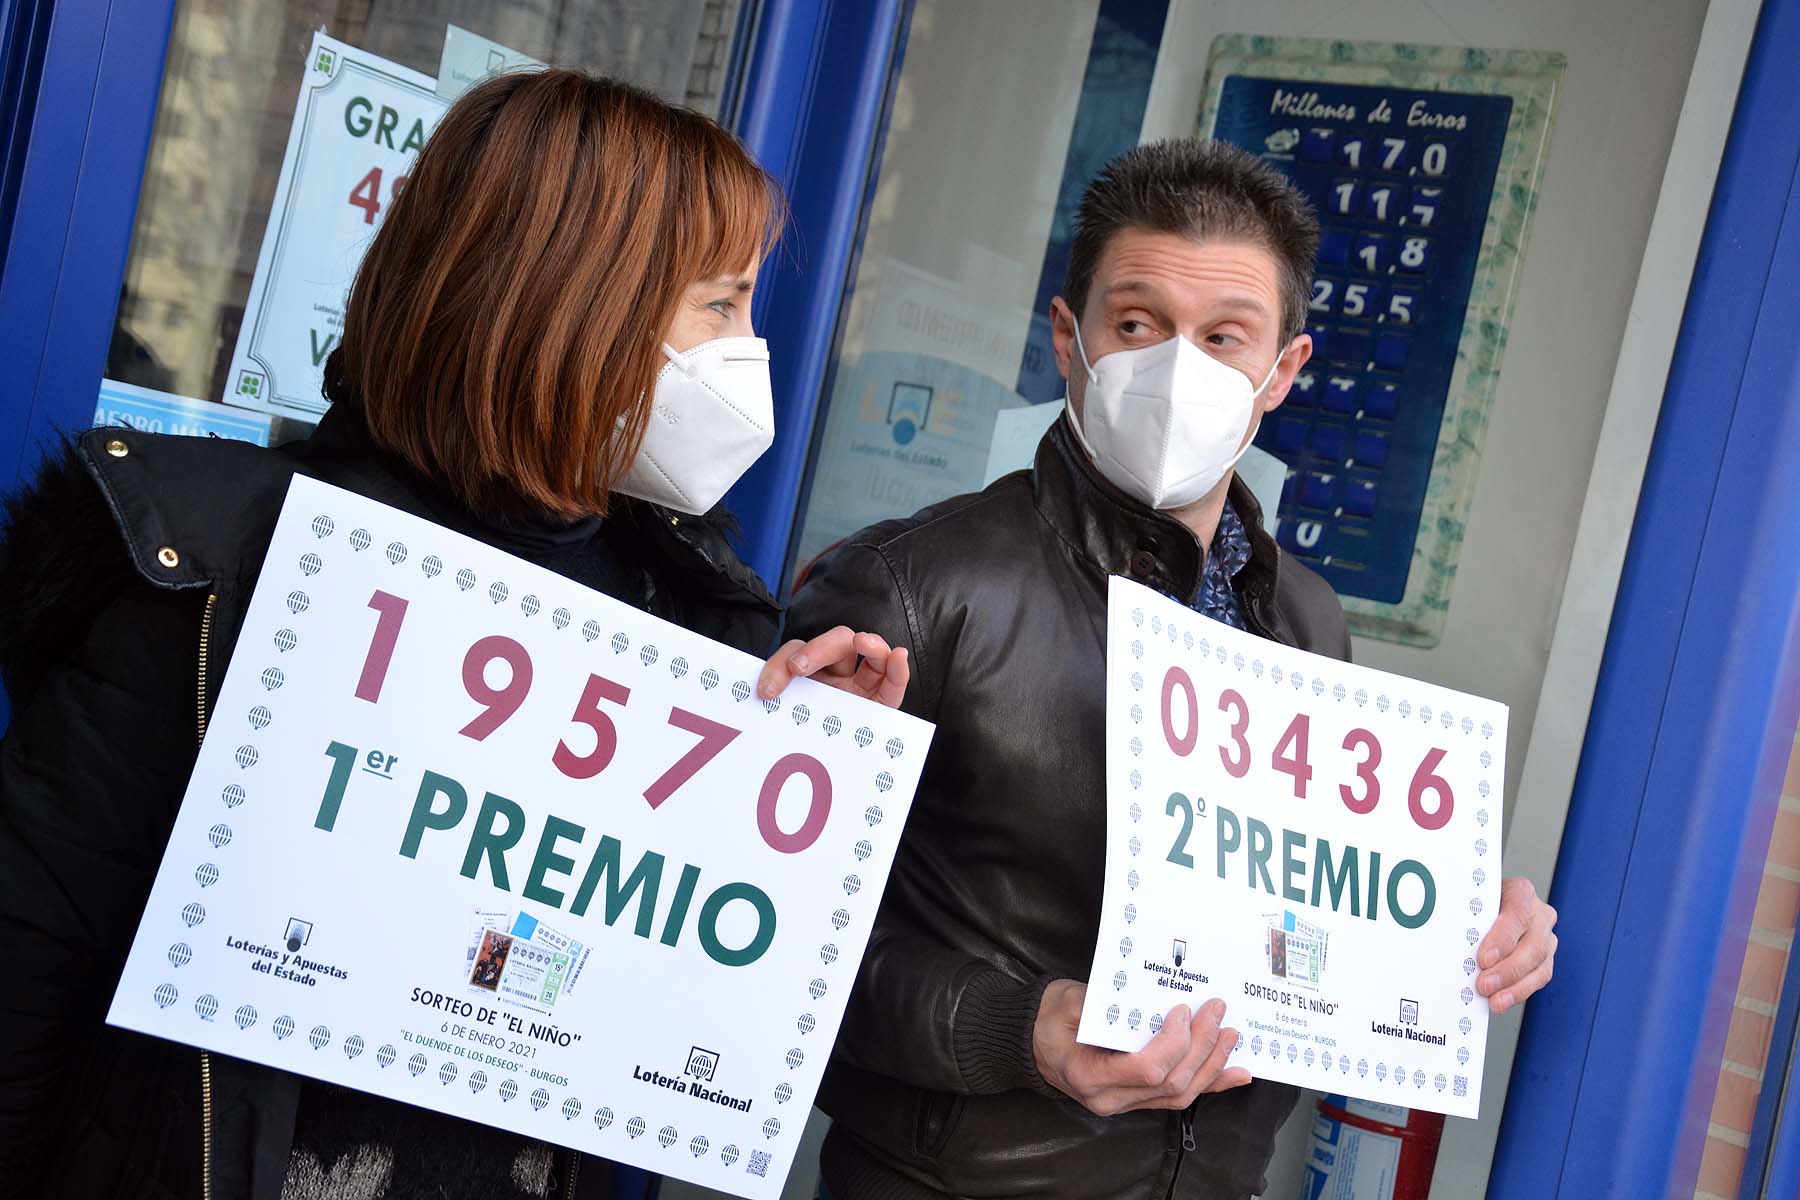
{"x":759,"y":1164}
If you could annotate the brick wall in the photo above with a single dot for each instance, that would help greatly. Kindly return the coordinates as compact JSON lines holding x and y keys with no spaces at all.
{"x":712,"y":52}
{"x":1759,"y":991}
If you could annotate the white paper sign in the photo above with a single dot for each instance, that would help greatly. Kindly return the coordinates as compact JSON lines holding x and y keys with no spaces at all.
{"x":1314,"y":842}
{"x":469,"y":58}
{"x":154,"y":411}
{"x":469,"y":835}
{"x":358,"y":125}
{"x":1017,"y":432}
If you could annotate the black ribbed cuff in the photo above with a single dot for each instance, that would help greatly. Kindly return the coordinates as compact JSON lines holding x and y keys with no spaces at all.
{"x":992,"y":1033}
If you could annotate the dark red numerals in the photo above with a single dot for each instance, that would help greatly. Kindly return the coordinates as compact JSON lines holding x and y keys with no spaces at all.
{"x":498,"y":704}
{"x":606,"y":736}
{"x":392,"y":610}
{"x":1290,"y":753}
{"x":1236,"y":765}
{"x":366,"y":195}
{"x":1365,"y":770}
{"x":1426,"y":779}
{"x":1177,"y":680}
{"x":714,"y":737}
{"x":817,"y":812}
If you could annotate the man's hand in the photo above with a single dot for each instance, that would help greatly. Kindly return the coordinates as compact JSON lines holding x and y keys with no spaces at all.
{"x":1518,"y":955}
{"x":858,"y":663}
{"x":1184,"y":1060}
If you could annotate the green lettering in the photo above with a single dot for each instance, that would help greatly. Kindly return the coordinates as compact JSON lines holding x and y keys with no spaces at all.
{"x":709,"y":925}
{"x":357,"y":122}
{"x":1337,"y":881}
{"x":684,"y":896}
{"x":1227,"y":842}
{"x":1405,"y":919}
{"x":1291,"y":865}
{"x":483,"y":839}
{"x":425,"y":814}
{"x":384,"y":126}
{"x":547,"y":859}
{"x":319,"y":352}
{"x":343,"y":761}
{"x":415,"y":138}
{"x":1262,"y":845}
{"x":605,"y":864}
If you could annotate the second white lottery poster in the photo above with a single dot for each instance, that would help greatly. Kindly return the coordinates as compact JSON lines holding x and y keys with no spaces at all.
{"x":468,"y":835}
{"x":359,"y":123}
{"x":1316,"y":843}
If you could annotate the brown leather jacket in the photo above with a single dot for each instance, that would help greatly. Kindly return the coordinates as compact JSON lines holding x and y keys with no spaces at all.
{"x":1001,"y":598}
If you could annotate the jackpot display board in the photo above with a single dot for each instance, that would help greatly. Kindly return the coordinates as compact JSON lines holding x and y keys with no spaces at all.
{"x":1423,"y":166}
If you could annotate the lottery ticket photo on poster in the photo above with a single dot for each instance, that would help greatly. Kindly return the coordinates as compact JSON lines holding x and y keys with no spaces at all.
{"x":1315,"y":843}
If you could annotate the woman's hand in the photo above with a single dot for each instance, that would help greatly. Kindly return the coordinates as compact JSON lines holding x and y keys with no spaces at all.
{"x":859,"y":663}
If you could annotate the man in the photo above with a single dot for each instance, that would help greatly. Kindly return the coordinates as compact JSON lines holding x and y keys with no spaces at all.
{"x":957,"y":1072}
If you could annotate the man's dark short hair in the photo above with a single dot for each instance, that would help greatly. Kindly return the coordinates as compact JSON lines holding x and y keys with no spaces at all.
{"x":1207,"y":190}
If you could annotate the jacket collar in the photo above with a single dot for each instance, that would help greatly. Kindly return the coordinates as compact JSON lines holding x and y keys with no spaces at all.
{"x":192,"y":498}
{"x":696,"y":547}
{"x":1124,"y":537}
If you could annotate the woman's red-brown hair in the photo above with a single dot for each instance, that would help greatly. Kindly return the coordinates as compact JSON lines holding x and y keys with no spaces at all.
{"x":506,"y":324}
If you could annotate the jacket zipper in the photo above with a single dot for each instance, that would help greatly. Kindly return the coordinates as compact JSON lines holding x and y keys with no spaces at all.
{"x":206,"y":1103}
{"x":1188,"y":1146}
{"x":574,"y":1171}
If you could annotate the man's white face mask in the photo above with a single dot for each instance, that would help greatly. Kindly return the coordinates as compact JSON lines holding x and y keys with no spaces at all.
{"x":711,"y":416}
{"x":1164,"y":423}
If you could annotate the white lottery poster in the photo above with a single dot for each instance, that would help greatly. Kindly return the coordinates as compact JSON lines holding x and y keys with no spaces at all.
{"x":1315,"y":843}
{"x":358,"y":125}
{"x":468,"y":835}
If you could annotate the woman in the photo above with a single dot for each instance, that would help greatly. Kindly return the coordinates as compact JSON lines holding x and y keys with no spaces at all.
{"x":548,"y":347}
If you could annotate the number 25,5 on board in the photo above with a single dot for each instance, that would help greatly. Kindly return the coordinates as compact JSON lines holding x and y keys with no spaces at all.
{"x":499,"y":705}
{"x":1291,"y":753}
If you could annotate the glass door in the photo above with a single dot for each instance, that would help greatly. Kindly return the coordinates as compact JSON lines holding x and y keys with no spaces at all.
{"x":1001,"y":112}
{"x":233,"y":71}
{"x":941,"y":379}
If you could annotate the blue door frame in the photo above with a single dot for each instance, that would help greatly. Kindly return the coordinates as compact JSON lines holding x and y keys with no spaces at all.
{"x":80,"y":134}
{"x":815,"y":101}
{"x":1692,"y":721}
{"x":1673,"y":805}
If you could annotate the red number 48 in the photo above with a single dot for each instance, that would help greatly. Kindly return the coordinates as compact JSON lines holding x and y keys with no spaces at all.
{"x":366,"y":195}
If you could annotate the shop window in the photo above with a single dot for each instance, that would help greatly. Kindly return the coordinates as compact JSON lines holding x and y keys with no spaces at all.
{"x":233,"y":71}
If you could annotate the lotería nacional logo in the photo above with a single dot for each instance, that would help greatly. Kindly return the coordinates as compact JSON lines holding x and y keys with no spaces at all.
{"x":702,"y":1064}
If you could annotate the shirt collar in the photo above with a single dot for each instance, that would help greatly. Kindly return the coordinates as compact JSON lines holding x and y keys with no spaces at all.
{"x":1230,"y":545}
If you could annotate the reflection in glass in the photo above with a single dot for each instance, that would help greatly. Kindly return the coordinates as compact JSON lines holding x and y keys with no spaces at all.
{"x":229,"y":84}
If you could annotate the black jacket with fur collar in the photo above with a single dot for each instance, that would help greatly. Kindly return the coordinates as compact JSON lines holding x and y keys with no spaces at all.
{"x":106,"y":565}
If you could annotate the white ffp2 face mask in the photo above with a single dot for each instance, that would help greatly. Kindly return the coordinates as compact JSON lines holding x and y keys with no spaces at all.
{"x":712,"y":414}
{"x":1164,"y":423}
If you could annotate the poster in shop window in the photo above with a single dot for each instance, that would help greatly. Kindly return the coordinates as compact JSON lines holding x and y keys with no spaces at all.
{"x":1316,"y":843}
{"x":359,"y":123}
{"x":468,"y":835}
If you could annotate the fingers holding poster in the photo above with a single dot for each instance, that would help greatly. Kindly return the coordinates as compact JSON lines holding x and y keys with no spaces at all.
{"x":1314,"y":842}
{"x":498,"y":845}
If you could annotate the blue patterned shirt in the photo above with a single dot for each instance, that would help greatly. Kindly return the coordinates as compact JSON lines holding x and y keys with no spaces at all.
{"x":1218,"y":599}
